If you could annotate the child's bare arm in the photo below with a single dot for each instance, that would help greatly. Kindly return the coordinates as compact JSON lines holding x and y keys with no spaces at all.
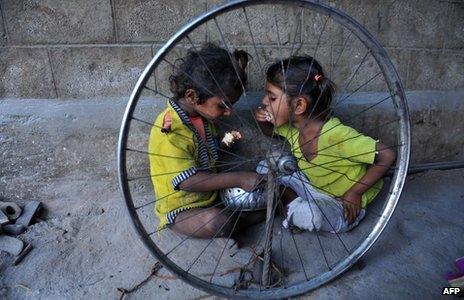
{"x":352,"y":198}
{"x":205,"y":181}
{"x":262,"y":117}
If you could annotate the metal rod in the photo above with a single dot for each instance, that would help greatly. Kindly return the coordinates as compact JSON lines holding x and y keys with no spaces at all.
{"x":444,"y":165}
{"x":271,"y":190}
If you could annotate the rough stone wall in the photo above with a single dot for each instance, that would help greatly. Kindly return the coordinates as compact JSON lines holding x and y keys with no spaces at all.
{"x":86,"y":48}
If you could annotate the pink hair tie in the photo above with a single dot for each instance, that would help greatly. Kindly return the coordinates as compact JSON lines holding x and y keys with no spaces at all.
{"x":317,"y":77}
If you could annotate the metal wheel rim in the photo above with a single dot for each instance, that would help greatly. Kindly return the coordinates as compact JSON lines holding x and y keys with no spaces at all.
{"x":399,"y":99}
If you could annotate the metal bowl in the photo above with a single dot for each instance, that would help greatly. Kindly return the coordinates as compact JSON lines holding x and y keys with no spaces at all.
{"x":239,"y":199}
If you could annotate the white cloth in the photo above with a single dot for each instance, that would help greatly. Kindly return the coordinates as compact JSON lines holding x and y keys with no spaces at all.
{"x":303,"y":214}
{"x":312,"y":210}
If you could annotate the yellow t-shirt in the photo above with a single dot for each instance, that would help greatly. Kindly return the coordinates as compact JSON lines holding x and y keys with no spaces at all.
{"x":343,"y":155}
{"x":175,"y":156}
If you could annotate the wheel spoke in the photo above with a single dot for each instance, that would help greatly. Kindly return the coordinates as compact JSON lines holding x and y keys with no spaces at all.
{"x":349,"y":119}
{"x":243,"y":121}
{"x":187,"y":218}
{"x":156,"y":91}
{"x":314,"y":55}
{"x":219,"y":163}
{"x":298,"y":32}
{"x":232,"y":163}
{"x":196,"y":230}
{"x":189,"y":138}
{"x":230,"y":56}
{"x":157,"y":154}
{"x":299,"y":255}
{"x":332,"y":67}
{"x":225,"y":245}
{"x":211,"y":240}
{"x":358,"y":88}
{"x":282,"y":231}
{"x":328,"y":221}
{"x":215,"y":234}
{"x":341,"y":158}
{"x":350,"y":138}
{"x":188,"y":186}
{"x":279,"y":43}
{"x":307,"y":75}
{"x":339,"y":102}
{"x":253,"y":40}
{"x":167,"y":97}
{"x":317,"y":232}
{"x":344,"y":175}
{"x":355,"y":72}
{"x":236,"y":73}
{"x":154,"y":175}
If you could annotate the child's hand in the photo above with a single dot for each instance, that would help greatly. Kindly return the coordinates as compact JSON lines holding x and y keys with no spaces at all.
{"x":351,"y":206}
{"x":250,"y":180}
{"x":262,"y":115}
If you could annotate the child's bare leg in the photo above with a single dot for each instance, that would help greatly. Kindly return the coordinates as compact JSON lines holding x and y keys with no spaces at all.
{"x":204,"y":222}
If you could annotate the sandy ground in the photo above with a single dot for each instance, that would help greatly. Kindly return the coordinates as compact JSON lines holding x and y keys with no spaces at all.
{"x":87,"y":247}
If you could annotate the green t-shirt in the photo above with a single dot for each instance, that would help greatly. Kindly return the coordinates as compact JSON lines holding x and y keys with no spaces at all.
{"x":343,"y":155}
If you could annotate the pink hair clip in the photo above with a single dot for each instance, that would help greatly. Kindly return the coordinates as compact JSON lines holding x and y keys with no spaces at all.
{"x":317,"y":77}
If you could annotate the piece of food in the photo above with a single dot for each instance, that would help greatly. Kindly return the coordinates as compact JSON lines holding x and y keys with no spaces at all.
{"x":268,"y":116}
{"x":231,"y":137}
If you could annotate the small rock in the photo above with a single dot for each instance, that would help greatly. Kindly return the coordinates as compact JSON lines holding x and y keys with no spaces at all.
{"x":11,"y":245}
{"x":30,"y":209}
{"x":10,"y":209}
{"x":13,"y":229}
{"x":3,"y":218}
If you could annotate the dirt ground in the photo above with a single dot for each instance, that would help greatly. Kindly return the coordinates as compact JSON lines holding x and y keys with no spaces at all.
{"x":86,"y":246}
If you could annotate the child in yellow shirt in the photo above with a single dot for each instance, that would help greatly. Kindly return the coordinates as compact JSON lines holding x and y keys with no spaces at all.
{"x":339,"y":162}
{"x":183,"y":147}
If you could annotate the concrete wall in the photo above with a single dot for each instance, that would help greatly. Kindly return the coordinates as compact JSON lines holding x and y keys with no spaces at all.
{"x":86,"y":48}
{"x":93,"y":49}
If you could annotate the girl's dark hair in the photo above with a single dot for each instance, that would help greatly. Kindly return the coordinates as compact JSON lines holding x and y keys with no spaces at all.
{"x":303,"y":75}
{"x":195,"y":71}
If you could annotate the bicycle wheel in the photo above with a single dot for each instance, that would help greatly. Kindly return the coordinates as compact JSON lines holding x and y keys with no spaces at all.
{"x":352,"y":58}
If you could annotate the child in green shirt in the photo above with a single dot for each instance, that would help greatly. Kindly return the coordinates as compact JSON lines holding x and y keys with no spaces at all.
{"x":183,"y":147}
{"x":338,"y":161}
